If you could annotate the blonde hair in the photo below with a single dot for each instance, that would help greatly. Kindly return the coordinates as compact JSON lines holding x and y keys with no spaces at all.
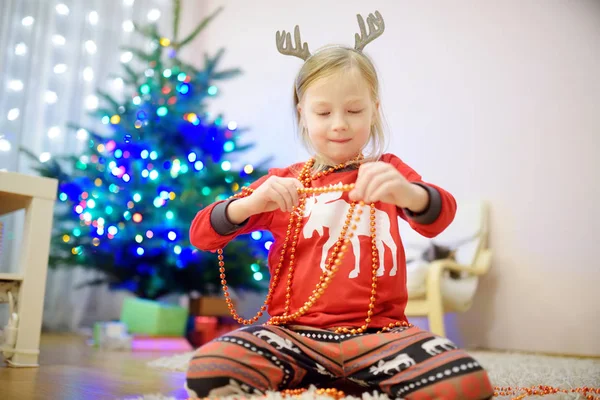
{"x":329,"y":61}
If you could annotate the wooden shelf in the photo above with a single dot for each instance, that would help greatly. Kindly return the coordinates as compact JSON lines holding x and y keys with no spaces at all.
{"x":4,"y":276}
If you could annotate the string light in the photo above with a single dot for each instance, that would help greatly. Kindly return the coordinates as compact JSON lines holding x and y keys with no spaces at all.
{"x":91,"y":47}
{"x":82,"y":134}
{"x":62,"y":9}
{"x":153,"y":15}
{"x":126,"y":57}
{"x":53,"y":132}
{"x":5,"y":145}
{"x":13,"y":114}
{"x":58,"y":40}
{"x":15,"y":85}
{"x":93,"y":17}
{"x":60,"y":68}
{"x":128,"y":26}
{"x":88,"y":74}
{"x":21,"y":49}
{"x":45,"y":156}
{"x":50,"y":97}
{"x":27,"y":21}
{"x":91,"y":102}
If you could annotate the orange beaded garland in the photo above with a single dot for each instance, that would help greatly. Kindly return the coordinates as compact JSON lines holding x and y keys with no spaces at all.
{"x":332,"y":265}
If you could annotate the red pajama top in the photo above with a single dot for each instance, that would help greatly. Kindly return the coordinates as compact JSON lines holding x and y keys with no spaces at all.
{"x":345,"y":301}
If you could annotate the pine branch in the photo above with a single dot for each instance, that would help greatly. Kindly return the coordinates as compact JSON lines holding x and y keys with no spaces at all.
{"x":227,"y":74}
{"x":115,"y":104}
{"x":176,"y":16}
{"x":139,"y":53}
{"x":198,"y":29}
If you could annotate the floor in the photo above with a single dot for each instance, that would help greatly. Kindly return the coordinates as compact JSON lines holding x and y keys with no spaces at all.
{"x":70,"y":369}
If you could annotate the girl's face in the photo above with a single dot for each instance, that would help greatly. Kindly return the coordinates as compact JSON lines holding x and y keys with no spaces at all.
{"x":338,"y":113}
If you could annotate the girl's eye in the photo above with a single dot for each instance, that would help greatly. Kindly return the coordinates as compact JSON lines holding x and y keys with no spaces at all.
{"x":323,"y":113}
{"x":355,"y":111}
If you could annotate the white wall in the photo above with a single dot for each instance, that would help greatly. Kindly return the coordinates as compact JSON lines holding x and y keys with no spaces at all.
{"x":498,"y":100}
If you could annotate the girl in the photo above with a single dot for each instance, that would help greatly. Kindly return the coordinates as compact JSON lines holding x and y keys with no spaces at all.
{"x":338,"y":276}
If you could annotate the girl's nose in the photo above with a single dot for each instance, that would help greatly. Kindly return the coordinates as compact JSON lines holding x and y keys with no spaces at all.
{"x":339,"y":123}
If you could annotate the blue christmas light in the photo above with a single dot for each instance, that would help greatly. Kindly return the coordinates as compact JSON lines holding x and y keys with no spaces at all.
{"x":183,"y":88}
{"x":192,"y":157}
{"x":256,"y":235}
{"x":228,"y":146}
{"x":162,"y":111}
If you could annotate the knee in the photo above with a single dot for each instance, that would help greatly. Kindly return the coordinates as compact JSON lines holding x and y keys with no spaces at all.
{"x":204,"y":379}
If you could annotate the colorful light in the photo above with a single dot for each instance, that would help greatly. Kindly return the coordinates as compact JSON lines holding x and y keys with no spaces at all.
{"x":256,"y":235}
{"x":228,"y":146}
{"x":162,"y":111}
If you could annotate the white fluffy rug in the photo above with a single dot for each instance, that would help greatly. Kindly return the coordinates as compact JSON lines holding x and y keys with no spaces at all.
{"x":505,"y":369}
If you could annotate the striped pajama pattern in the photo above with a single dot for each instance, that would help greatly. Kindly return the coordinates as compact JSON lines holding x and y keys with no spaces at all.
{"x":405,"y":363}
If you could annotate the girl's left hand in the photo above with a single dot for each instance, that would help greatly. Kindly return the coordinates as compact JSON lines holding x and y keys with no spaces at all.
{"x":379,"y":181}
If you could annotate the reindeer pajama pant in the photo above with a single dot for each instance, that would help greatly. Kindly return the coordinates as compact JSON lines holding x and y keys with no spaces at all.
{"x":406,"y":363}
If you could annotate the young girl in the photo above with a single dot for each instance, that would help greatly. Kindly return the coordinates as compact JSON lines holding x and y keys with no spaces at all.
{"x":338,"y":275}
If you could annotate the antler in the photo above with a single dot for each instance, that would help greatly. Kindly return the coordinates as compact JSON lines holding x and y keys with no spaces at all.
{"x":301,"y":49}
{"x":376,"y":28}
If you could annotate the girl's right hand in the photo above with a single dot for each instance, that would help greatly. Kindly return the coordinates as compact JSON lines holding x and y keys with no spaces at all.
{"x":275,"y":193}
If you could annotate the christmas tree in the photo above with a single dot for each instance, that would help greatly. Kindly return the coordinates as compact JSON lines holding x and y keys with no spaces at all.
{"x":125,"y":206}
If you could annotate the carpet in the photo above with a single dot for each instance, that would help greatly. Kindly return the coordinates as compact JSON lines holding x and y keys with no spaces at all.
{"x":506,"y":369}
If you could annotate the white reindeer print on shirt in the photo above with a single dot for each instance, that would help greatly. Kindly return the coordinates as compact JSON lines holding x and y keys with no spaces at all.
{"x":328,"y":210}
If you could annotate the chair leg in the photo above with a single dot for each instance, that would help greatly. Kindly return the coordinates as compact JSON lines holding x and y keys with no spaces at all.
{"x":436,"y":315}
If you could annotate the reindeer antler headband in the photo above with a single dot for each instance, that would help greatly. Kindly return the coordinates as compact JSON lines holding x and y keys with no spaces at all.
{"x":300,"y":50}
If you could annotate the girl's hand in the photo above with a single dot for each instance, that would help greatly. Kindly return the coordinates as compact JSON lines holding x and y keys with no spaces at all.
{"x":275,"y":193}
{"x":379,"y":181}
